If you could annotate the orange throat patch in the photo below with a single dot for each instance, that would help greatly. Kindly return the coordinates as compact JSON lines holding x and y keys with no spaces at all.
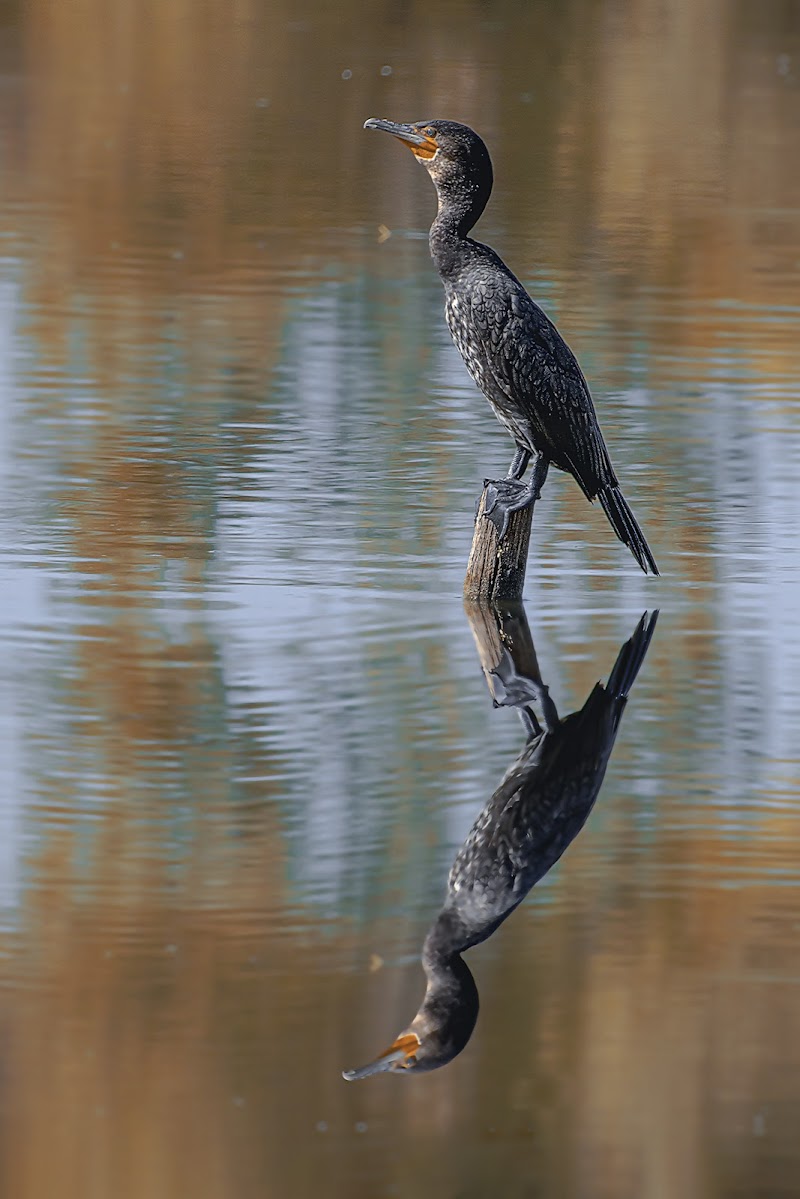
{"x":426,"y":152}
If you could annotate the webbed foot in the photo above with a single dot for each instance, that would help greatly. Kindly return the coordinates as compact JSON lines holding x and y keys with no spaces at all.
{"x":504,"y":496}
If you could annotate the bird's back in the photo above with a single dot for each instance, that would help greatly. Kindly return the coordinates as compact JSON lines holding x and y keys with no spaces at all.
{"x":544,"y":799}
{"x":539,"y":808}
{"x":524,"y":367}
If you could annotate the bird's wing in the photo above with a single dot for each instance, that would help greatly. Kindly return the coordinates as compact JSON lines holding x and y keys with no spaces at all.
{"x":541,"y":804}
{"x":535,"y":369}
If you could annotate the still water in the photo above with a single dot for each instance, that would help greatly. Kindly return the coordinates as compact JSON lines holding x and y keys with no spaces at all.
{"x":243,"y":723}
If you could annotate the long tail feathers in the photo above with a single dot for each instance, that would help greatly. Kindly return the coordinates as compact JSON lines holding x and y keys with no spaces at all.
{"x":631,"y":656}
{"x":623,"y":522}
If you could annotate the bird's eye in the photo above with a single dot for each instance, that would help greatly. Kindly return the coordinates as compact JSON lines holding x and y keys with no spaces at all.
{"x":430,"y":131}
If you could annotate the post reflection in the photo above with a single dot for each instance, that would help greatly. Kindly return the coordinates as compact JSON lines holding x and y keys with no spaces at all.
{"x":540,"y":806}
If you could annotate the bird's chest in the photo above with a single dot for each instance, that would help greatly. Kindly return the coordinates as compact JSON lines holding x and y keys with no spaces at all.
{"x":471,"y":343}
{"x":459,"y":323}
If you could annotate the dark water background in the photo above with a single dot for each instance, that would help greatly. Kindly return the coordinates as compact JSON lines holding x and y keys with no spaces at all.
{"x":243,"y":727}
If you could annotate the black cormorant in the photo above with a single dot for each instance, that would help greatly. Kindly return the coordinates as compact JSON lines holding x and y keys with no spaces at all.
{"x":539,"y":808}
{"x":513,"y":351}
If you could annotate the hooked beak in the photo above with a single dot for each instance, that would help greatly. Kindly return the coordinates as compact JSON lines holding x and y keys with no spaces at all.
{"x":398,"y":1056}
{"x":419,"y":143}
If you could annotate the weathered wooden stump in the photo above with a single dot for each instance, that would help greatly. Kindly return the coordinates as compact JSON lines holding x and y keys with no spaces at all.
{"x":499,"y":628}
{"x":496,"y":571}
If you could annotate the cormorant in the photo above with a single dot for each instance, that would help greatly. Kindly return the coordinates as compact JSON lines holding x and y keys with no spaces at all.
{"x":536,"y":812}
{"x":513,"y":351}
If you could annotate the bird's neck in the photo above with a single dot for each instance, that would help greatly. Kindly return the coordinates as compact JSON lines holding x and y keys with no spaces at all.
{"x":451,"y":991}
{"x":458,"y":212}
{"x":441,"y":953}
{"x":447,"y":247}
{"x":456,"y":215}
{"x":451,"y":999}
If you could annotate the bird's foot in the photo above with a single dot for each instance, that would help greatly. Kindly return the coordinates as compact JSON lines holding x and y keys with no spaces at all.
{"x":504,"y":496}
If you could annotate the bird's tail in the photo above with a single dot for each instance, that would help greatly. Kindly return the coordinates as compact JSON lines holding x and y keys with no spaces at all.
{"x":630,"y":657}
{"x":623,"y":522}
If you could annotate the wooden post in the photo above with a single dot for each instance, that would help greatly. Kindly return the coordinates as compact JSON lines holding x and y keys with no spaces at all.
{"x":499,"y":627}
{"x":496,"y":571}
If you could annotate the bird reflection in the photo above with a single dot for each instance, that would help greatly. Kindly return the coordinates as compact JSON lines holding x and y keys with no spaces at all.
{"x":540,"y":806}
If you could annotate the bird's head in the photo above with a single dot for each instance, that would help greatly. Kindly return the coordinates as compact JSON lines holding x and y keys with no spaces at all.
{"x":402,"y":1054}
{"x":430,"y":1041}
{"x":455,"y":157}
{"x":444,"y":1023}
